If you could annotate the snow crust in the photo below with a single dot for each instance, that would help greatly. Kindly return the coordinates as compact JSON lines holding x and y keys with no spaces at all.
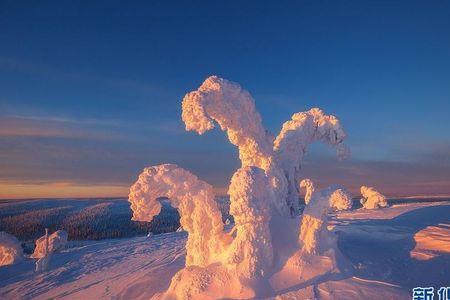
{"x":264,"y":196}
{"x":10,"y":249}
{"x":56,"y":242}
{"x":371,"y":199}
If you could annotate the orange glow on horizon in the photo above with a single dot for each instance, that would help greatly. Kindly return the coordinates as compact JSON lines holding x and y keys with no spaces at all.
{"x":60,"y":190}
{"x":68,"y":190}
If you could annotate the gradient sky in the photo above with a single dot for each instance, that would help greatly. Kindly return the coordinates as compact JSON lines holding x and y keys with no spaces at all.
{"x":91,"y":93}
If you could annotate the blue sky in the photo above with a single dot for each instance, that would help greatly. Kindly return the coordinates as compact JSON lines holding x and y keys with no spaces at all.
{"x":90,"y":93}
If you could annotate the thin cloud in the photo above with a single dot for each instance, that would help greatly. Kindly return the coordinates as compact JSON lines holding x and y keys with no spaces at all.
{"x":57,"y":128}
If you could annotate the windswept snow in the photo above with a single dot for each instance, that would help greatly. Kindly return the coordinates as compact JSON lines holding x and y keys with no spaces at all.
{"x":432,"y":242}
{"x":378,"y":244}
{"x":10,"y":249}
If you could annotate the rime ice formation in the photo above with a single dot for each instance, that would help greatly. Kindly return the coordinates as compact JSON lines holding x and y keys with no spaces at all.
{"x":263,"y":193}
{"x":371,"y":199}
{"x":200,"y":215}
{"x":56,"y":242}
{"x":233,"y":108}
{"x":10,"y":249}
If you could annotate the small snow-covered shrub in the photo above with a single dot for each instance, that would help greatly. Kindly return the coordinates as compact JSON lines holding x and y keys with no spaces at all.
{"x":371,"y":199}
{"x":340,"y":199}
{"x":56,"y":242}
{"x":10,"y":249}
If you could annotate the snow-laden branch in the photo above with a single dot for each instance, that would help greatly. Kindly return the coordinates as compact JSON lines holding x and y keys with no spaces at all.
{"x":294,"y":138}
{"x":233,"y":108}
{"x":10,"y":249}
{"x":200,"y":215}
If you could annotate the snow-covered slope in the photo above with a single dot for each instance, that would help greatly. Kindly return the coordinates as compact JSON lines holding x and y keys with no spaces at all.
{"x":381,"y":245}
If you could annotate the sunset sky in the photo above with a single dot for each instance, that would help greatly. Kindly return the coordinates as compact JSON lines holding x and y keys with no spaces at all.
{"x":91,"y":94}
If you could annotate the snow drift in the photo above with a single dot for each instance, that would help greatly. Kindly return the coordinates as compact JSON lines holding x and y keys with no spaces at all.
{"x":10,"y":249}
{"x":263,"y":193}
{"x":371,"y":199}
{"x":56,"y":242}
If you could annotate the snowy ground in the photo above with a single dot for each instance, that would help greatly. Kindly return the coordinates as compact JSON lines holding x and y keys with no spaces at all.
{"x":390,"y":250}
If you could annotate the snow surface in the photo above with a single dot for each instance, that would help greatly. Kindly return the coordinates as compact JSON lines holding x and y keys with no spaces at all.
{"x":378,"y":244}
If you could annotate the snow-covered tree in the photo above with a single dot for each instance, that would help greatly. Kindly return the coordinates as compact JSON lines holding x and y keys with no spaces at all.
{"x":371,"y":199}
{"x":10,"y":249}
{"x":200,"y":215}
{"x":56,"y":242}
{"x":318,"y":205}
{"x":264,"y":196}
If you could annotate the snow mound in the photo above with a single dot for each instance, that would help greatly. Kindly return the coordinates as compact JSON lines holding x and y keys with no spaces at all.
{"x":371,"y":199}
{"x":10,"y":249}
{"x":56,"y":242}
{"x":431,"y":242}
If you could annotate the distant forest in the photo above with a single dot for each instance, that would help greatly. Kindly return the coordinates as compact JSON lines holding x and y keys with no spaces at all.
{"x":85,"y":219}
